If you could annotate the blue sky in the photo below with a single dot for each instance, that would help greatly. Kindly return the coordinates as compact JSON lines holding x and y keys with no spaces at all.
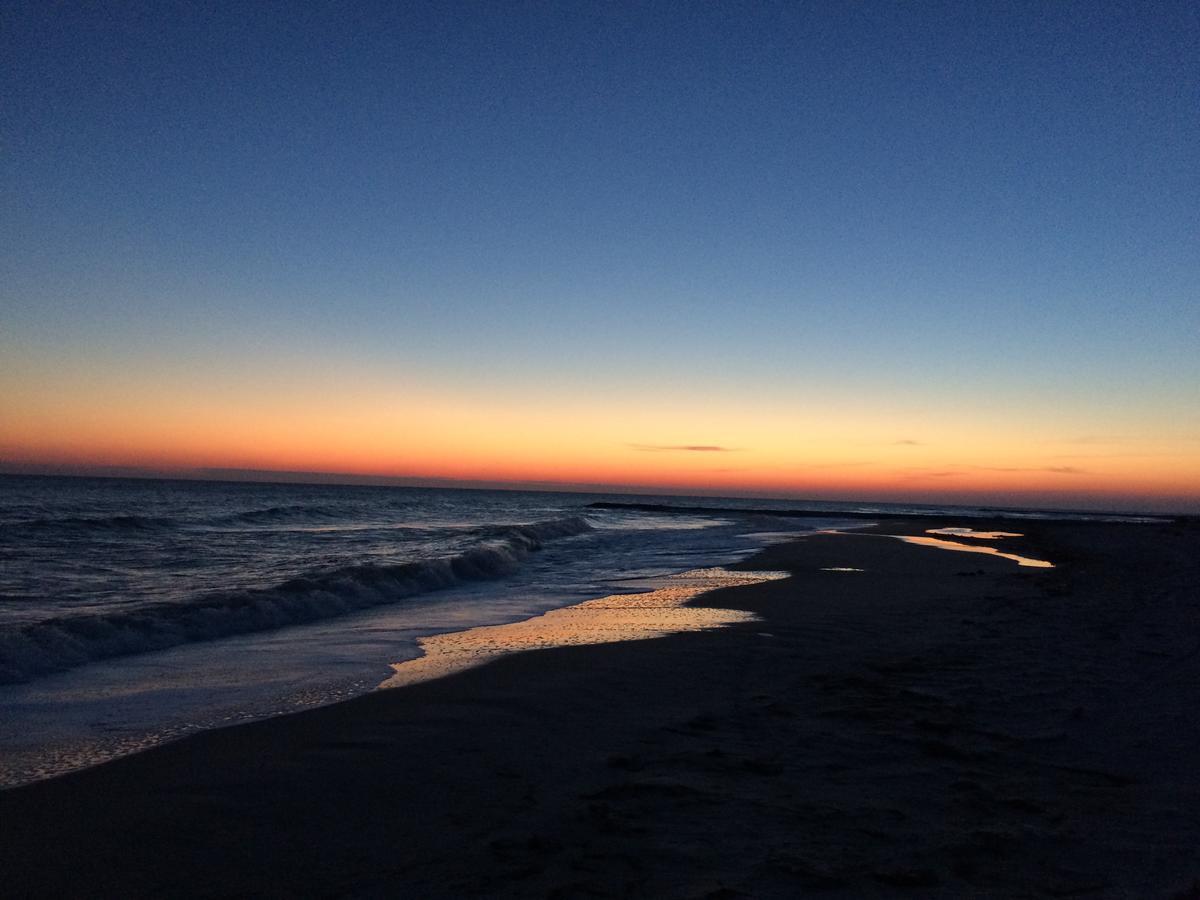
{"x":757,"y":200}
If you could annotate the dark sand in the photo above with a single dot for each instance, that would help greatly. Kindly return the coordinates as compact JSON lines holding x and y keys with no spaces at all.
{"x":940,"y":725}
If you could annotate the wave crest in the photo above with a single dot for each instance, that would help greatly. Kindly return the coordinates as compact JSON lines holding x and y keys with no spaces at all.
{"x":58,"y":644}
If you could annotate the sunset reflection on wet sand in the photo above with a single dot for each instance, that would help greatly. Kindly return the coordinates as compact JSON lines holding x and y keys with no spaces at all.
{"x":974,"y":548}
{"x":618,"y":617}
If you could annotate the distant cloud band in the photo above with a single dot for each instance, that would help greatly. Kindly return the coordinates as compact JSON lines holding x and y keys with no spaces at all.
{"x":956,"y":471}
{"x":1057,"y":470}
{"x":690,"y":448}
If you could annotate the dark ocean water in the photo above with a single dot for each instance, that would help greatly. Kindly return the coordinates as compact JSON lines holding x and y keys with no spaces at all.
{"x":135,"y":610}
{"x":94,"y":569}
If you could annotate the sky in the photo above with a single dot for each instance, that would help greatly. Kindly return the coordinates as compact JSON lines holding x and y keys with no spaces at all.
{"x":879,"y":251}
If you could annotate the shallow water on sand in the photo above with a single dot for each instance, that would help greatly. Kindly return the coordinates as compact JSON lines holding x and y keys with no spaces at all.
{"x":619,"y":617}
{"x":973,"y":548}
{"x":972,"y":533}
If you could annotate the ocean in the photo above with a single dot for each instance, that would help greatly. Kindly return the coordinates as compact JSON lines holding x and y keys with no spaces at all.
{"x":135,"y":611}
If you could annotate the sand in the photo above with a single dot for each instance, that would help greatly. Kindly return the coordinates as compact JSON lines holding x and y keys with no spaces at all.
{"x":940,"y":724}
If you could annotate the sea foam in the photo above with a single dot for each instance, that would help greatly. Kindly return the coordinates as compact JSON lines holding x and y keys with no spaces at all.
{"x":73,"y":640}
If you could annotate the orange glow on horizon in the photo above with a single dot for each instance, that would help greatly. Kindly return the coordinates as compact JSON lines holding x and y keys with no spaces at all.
{"x":862,"y":452}
{"x":520,"y":457}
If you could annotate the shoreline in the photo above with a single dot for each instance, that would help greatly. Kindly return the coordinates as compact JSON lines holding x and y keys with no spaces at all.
{"x":455,"y":650}
{"x":942,"y":721}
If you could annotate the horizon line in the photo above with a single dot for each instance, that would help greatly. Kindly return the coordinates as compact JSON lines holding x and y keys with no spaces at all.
{"x":235,"y":475}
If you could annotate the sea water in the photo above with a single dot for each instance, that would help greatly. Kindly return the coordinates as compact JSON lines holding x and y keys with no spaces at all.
{"x":136,"y":611}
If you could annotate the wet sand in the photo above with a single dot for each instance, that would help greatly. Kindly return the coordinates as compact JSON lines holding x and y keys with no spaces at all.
{"x":940,"y":724}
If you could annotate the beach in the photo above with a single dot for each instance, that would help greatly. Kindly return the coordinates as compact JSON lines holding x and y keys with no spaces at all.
{"x":891,"y":720}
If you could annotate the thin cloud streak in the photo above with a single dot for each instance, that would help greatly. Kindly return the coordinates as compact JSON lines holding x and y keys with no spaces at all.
{"x":1093,"y":439}
{"x":687,"y":448}
{"x":1057,"y":470}
{"x":840,"y":465}
{"x":958,"y":470}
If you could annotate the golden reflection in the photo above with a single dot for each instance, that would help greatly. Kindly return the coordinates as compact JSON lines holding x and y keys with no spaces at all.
{"x":619,"y":617}
{"x":972,"y":533}
{"x":972,"y":548}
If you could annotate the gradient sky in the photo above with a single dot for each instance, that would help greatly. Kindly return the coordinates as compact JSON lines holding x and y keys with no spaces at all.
{"x":830,"y":250}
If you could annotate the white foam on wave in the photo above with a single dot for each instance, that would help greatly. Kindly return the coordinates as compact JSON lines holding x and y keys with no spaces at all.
{"x":63,"y":643}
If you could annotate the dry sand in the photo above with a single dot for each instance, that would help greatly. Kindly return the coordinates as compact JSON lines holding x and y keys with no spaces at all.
{"x":938,"y":725}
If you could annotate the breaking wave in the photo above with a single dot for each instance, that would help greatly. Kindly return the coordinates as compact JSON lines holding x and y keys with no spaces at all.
{"x":57,"y":644}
